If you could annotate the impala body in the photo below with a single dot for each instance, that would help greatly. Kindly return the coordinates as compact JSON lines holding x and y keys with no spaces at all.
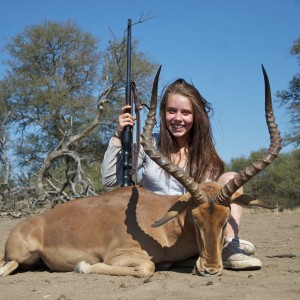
{"x":130,"y":230}
{"x":113,"y":229}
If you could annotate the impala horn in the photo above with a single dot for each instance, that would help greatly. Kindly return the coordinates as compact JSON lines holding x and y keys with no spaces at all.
{"x":275,"y":146}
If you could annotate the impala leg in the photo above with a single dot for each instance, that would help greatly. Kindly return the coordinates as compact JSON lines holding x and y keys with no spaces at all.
{"x":133,"y":267}
{"x":2,"y":262}
{"x":8,"y":268}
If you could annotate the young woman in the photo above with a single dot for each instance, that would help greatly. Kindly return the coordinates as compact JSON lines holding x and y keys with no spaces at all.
{"x":185,"y":138}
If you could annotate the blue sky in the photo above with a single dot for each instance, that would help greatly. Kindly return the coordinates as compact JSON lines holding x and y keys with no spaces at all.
{"x":219,"y":45}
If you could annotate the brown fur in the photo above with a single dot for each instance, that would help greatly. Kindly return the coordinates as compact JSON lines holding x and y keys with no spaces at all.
{"x":112,"y":234}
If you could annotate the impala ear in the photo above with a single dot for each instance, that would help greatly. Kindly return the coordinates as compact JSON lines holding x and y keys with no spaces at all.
{"x":176,"y":209}
{"x":249,"y":201}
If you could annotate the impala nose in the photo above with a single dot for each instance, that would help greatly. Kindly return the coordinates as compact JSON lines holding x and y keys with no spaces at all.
{"x":211,"y":272}
{"x":207,"y":270}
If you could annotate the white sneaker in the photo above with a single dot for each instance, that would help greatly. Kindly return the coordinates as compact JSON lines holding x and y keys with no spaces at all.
{"x":246,"y":246}
{"x":234,"y":258}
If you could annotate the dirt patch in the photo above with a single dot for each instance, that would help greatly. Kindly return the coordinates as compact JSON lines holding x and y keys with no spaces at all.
{"x":275,"y":235}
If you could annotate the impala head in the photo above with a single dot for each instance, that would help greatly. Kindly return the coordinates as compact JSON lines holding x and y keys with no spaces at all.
{"x":208,"y":204}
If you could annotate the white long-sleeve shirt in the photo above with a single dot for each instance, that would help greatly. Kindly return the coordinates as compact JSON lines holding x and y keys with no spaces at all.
{"x":152,"y":177}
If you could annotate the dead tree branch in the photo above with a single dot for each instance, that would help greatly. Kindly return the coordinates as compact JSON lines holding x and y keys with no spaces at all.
{"x":63,"y":150}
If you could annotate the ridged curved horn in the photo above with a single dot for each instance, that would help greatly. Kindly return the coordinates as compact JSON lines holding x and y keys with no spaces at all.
{"x":157,"y":156}
{"x":276,"y":144}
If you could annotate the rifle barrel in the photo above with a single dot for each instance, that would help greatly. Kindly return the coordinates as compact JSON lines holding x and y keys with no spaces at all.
{"x":126,"y":137}
{"x":128,"y":77}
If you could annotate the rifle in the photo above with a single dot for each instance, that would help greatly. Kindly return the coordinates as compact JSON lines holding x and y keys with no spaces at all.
{"x":126,"y":136}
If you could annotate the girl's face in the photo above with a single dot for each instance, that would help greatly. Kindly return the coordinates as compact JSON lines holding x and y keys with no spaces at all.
{"x":179,"y":116}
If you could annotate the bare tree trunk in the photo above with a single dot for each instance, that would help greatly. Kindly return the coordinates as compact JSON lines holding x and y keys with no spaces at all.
{"x":5,"y":187}
{"x":63,"y":150}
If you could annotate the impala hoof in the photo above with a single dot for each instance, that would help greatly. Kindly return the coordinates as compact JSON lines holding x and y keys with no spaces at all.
{"x":82,"y":267}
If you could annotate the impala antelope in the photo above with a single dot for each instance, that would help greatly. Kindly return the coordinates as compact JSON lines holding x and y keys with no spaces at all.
{"x":129,"y":231}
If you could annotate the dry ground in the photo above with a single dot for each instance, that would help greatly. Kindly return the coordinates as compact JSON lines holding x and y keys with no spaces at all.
{"x":276,"y":236}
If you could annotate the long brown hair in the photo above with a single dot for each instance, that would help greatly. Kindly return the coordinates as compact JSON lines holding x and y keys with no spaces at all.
{"x":203,"y":160}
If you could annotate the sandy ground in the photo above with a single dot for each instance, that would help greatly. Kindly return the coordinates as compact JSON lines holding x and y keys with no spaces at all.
{"x":276,"y":236}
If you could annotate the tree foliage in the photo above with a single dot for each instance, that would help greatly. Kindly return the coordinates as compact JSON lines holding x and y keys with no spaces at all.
{"x":59,"y":87}
{"x":279,"y":183}
{"x":52,"y":75}
{"x":290,"y":98}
